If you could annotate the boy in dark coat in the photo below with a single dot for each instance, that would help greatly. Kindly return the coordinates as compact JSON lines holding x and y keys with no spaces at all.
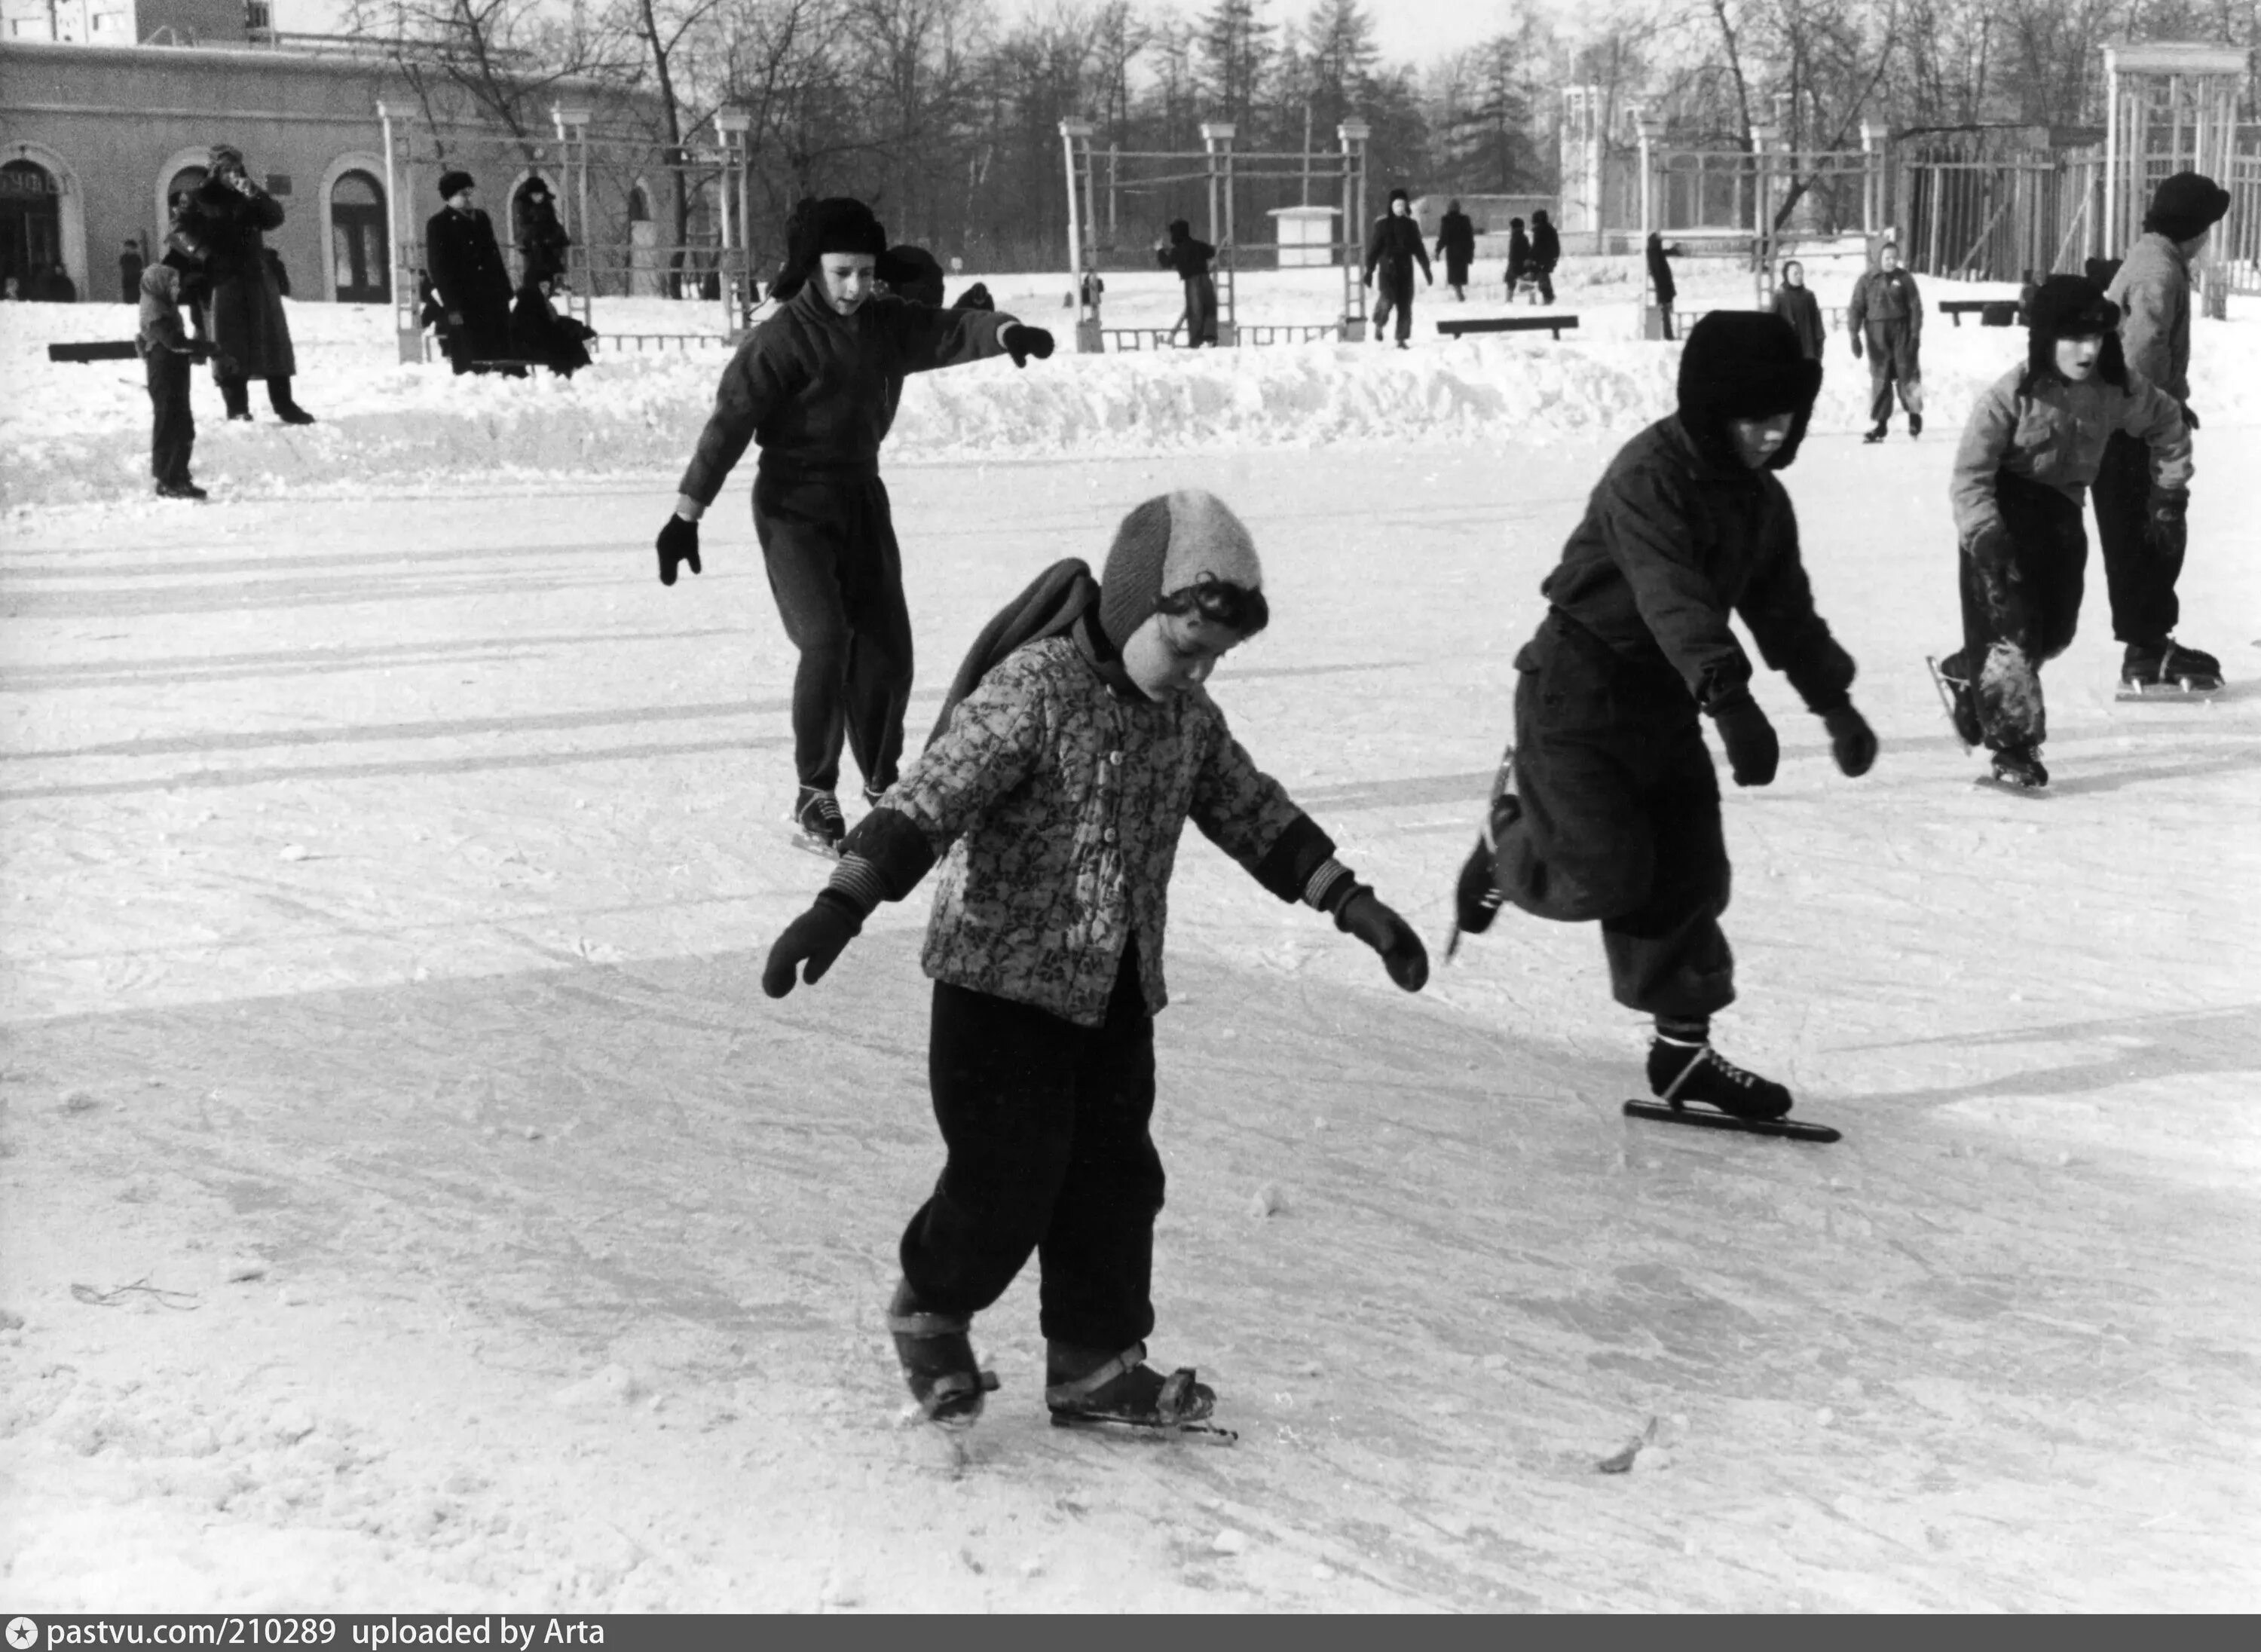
{"x":469,"y":273}
{"x":2152,"y":288}
{"x":1607,"y":806}
{"x":1191,"y":260}
{"x":1055,"y":795}
{"x":1886,"y":314}
{"x":1456,"y":245}
{"x":1662,"y":288}
{"x":816,"y":385}
{"x":2035,"y":440}
{"x":1546,"y":253}
{"x":1392,"y":250}
{"x":174,"y":280}
{"x":1795,"y":302}
{"x":228,"y":216}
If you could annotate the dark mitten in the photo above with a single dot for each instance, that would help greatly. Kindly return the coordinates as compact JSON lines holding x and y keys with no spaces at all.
{"x":2167,"y":531}
{"x":1852,"y":740}
{"x":2190,"y":417}
{"x":1362,"y":914}
{"x":1023,"y":341}
{"x":1753,"y":752}
{"x":678,"y":542}
{"x":1856,"y":346}
{"x":815,"y":939}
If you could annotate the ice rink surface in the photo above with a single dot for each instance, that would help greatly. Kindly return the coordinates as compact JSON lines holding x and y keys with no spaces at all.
{"x":409,"y":1201}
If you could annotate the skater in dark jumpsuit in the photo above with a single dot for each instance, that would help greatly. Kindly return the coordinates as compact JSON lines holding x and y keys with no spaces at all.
{"x":1392,"y":248}
{"x":2035,"y":440}
{"x":1055,"y":792}
{"x":1189,"y":260}
{"x":816,"y":386}
{"x":1886,"y":318}
{"x":1608,"y":808}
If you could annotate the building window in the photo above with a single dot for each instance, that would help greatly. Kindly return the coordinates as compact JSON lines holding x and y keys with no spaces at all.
{"x":257,"y":16}
{"x":30,"y":226}
{"x":360,"y":269}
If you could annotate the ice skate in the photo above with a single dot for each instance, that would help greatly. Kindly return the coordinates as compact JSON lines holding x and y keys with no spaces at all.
{"x":938,"y":1360}
{"x":2167,"y":670}
{"x":1961,"y":699}
{"x":1878,"y":433}
{"x":818,"y":825}
{"x":1680,"y":1073}
{"x":1476,"y":896}
{"x":1915,"y":424}
{"x":1122,"y":1391}
{"x":2020,"y":768}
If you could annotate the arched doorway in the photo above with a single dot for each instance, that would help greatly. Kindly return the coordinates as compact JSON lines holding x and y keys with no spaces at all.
{"x":31,"y":226}
{"x":361,"y":260}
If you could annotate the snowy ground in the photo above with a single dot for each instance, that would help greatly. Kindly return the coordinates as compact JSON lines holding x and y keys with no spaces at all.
{"x":408,"y":1200}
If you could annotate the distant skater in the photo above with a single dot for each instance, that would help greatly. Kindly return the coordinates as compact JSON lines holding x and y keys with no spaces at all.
{"x":1190,"y":259}
{"x":1392,"y":250}
{"x":1456,"y":245}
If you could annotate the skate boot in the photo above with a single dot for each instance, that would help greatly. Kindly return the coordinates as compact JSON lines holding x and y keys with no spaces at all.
{"x":873,"y":794}
{"x":1915,"y":424}
{"x":1878,"y":433}
{"x":938,"y":1361}
{"x":818,"y":824}
{"x":2021,"y":766}
{"x":1681,"y":1073}
{"x":1476,"y":896}
{"x":2167,"y":667}
{"x":1085,"y":1385}
{"x":1961,"y":698}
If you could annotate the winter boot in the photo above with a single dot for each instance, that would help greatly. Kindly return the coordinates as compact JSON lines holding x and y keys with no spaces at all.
{"x":2021,"y":766}
{"x":235,"y":396}
{"x":278,"y":397}
{"x":2168,"y":664}
{"x":1089,"y":1385}
{"x":1680,"y":1072}
{"x":180,"y":491}
{"x":1879,"y":432}
{"x":938,"y":1360}
{"x":1915,"y":424}
{"x":820,"y":824}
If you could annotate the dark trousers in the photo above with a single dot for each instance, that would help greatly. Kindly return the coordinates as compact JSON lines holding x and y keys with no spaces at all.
{"x":1394,"y":292}
{"x":2011,"y":626}
{"x":1664,"y":317}
{"x":1545,"y":277}
{"x":1892,"y":366}
{"x":837,"y":575}
{"x":2140,"y":578}
{"x":173,"y":422}
{"x":235,"y":394}
{"x":1046,"y":1127}
{"x":1200,"y":313}
{"x":1620,"y":821}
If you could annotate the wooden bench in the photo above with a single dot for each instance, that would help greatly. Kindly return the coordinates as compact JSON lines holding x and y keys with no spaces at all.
{"x":108,"y":350}
{"x":1554,"y":324}
{"x":1990,"y":312}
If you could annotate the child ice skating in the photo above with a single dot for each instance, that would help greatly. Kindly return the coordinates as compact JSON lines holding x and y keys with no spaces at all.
{"x":816,"y":386}
{"x":1607,"y":809}
{"x":1055,"y":792}
{"x":2034,"y":445}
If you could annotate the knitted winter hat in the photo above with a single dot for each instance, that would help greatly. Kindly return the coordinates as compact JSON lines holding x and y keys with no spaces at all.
{"x":453,"y":184}
{"x":2073,"y":307}
{"x":2188,"y":205}
{"x":912,"y":272}
{"x":1172,"y":543}
{"x":1745,"y":364}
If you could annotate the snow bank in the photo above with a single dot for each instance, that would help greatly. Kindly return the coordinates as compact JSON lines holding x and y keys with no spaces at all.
{"x":78,"y":433}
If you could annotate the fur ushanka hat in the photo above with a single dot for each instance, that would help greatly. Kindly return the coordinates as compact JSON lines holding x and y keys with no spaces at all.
{"x":2072,"y":307}
{"x":833,"y":223}
{"x":453,"y":183}
{"x":1745,"y":364}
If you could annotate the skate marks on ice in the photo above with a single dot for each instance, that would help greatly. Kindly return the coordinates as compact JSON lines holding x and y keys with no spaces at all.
{"x":566,"y":1287}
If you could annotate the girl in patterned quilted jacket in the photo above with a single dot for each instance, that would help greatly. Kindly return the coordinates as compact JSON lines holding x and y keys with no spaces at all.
{"x":1054,"y":792}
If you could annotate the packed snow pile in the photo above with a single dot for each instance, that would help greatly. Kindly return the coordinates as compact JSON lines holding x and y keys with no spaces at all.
{"x":79,"y":432}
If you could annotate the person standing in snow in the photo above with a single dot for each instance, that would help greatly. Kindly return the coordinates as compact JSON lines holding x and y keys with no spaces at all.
{"x":1887,"y":314}
{"x":1662,"y":290}
{"x":2037,"y":438}
{"x":1607,"y":808}
{"x":469,"y":273}
{"x":1190,"y":259}
{"x":1392,"y":248}
{"x":1456,"y":245}
{"x":1519,"y":260}
{"x":1795,"y":302}
{"x":1079,"y":742}
{"x":228,"y":217}
{"x":542,"y":237}
{"x":816,"y":385}
{"x":2153,"y":288}
{"x":1546,"y":253}
{"x":130,"y":266}
{"x":174,"y":280}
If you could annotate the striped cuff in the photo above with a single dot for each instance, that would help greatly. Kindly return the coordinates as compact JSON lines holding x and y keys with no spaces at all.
{"x":1330,"y":880}
{"x":858,"y":880}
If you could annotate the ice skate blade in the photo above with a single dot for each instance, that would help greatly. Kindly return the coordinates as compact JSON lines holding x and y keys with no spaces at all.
{"x":1795,"y":1130}
{"x":2185,"y":689}
{"x":2015,"y":788}
{"x":813,"y":846}
{"x":1130,"y":1426}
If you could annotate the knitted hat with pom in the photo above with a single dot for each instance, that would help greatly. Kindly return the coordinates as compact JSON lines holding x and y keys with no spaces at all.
{"x":1169,"y":544}
{"x":2186,"y":205}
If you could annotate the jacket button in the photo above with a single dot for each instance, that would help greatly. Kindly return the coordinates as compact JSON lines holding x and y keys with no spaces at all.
{"x":1115,"y":757}
{"x":1108,"y":836}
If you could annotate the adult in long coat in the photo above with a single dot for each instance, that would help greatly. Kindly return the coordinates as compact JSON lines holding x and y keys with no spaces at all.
{"x":1456,"y":245}
{"x":228,"y":216}
{"x":542,"y":237}
{"x":467,"y":271}
{"x":1795,"y":302}
{"x":1546,"y":253}
{"x":1392,"y":248}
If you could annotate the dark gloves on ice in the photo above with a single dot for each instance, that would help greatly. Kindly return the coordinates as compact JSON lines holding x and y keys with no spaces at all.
{"x":1362,"y":914}
{"x":2167,"y":530}
{"x":1022,"y":340}
{"x":678,"y":542}
{"x":1753,"y":752}
{"x":815,"y":939}
{"x":1851,"y":739}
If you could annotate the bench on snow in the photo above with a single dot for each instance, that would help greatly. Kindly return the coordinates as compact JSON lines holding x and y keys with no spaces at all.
{"x":1990,"y":312}
{"x":107,"y":350}
{"x":1554,"y":324}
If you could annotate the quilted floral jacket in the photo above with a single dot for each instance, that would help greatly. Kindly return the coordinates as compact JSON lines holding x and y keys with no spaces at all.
{"x":1057,"y":806}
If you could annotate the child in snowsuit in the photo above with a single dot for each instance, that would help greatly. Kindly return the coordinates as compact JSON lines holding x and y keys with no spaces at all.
{"x":1191,"y":260}
{"x":174,"y":280}
{"x":2033,"y":444}
{"x":1886,"y":314}
{"x":1607,"y":807}
{"x":1392,"y":250}
{"x":816,"y":386}
{"x":1055,"y":793}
